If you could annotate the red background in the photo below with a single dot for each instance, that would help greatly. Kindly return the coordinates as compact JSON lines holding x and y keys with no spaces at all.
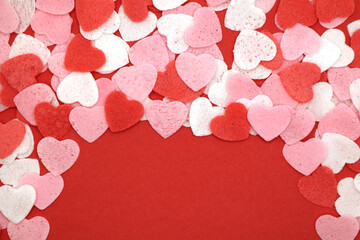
{"x":134,"y":185}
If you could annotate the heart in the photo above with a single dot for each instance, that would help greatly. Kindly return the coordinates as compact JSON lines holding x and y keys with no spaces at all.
{"x":12,"y":134}
{"x":35,"y":228}
{"x":241,"y":86}
{"x":25,"y":10}
{"x":122,"y":113}
{"x":327,"y":10}
{"x":136,"y":10}
{"x":56,"y":65}
{"x":105,"y":86}
{"x":330,"y":228}
{"x":265,"y":5}
{"x":90,"y":124}
{"x":269,"y":122}
{"x":196,"y":71}
{"x":166,"y":5}
{"x":305,"y":157}
{"x":243,"y":14}
{"x":137,"y":81}
{"x":93,"y":15}
{"x":81,"y":56}
{"x":170,"y":85}
{"x":52,"y":121}
{"x":201,"y":114}
{"x":7,"y":94}
{"x":19,"y":72}
{"x":206,"y":29}
{"x":252,"y":47}
{"x":15,"y":204}
{"x":187,"y":9}
{"x":299,"y":40}
{"x":341,"y":80}
{"x":320,"y":187}
{"x":301,"y":124}
{"x":347,"y":203}
{"x":233,"y":126}
{"x":9,"y":20}
{"x":278,"y":60}
{"x":26,"y":100}
{"x":322,"y":100}
{"x":11,"y":174}
{"x":355,"y":45}
{"x":57,"y":156}
{"x":55,"y":7}
{"x":166,"y":118}
{"x":354,"y":92}
{"x":213,"y":3}
{"x":291,"y":12}
{"x":48,"y":188}
{"x":78,"y":87}
{"x":298,"y":80}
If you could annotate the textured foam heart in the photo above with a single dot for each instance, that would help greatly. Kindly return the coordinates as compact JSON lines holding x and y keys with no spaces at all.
{"x":166,"y":118}
{"x":331,"y":228}
{"x":58,"y":156}
{"x":327,"y":10}
{"x":241,"y":86}
{"x":341,"y":79}
{"x":35,"y":228}
{"x":12,"y":133}
{"x":56,"y":65}
{"x":48,"y":188}
{"x":11,"y":174}
{"x":278,"y":60}
{"x":305,"y":157}
{"x":137,"y":81}
{"x":25,"y":10}
{"x":55,"y":7}
{"x":90,"y":124}
{"x":105,"y":86}
{"x":9,"y":20}
{"x":354,"y":92}
{"x":347,"y":203}
{"x":136,"y":10}
{"x":355,"y":45}
{"x":291,"y":12}
{"x":322,"y":100}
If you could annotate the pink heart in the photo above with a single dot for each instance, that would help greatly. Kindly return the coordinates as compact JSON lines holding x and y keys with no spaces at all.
{"x":196,"y":71}
{"x":341,"y":120}
{"x":58,"y":31}
{"x":48,"y":188}
{"x":332,"y":228}
{"x":9,"y":19}
{"x":90,"y":124}
{"x":105,"y":86}
{"x":301,"y":124}
{"x":36,"y":228}
{"x":206,"y":29}
{"x":137,"y":81}
{"x":56,"y":65}
{"x":299,"y":40}
{"x":58,"y":156}
{"x":55,"y":7}
{"x":241,"y":86}
{"x":305,"y":157}
{"x":27,"y":99}
{"x":340,"y":80}
{"x":166,"y":118}
{"x":269,"y":122}
{"x":213,"y":3}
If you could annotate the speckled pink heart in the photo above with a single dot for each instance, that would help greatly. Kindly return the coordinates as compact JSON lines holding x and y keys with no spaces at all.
{"x":9,"y":19}
{"x":332,"y":228}
{"x":340,"y":80}
{"x":36,"y":228}
{"x":241,"y":86}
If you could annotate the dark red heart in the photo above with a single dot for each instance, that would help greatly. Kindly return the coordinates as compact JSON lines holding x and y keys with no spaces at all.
{"x":328,"y":10}
{"x":320,"y":187}
{"x":136,"y":10}
{"x":122,"y":113}
{"x":19,"y":72}
{"x":12,"y":134}
{"x":291,"y":12}
{"x":234,"y":125}
{"x":52,"y":121}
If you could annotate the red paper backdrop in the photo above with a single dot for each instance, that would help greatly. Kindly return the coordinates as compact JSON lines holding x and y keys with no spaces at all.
{"x":134,"y":185}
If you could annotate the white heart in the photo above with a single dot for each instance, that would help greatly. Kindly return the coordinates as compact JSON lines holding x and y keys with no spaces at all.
{"x":355,"y":93}
{"x":110,"y":26}
{"x":166,"y":4}
{"x":12,"y":173}
{"x":348,"y":202}
{"x":353,"y":27}
{"x":321,"y":102}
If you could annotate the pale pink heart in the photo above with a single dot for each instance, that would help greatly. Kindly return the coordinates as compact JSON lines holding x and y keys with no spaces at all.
{"x":166,"y":118}
{"x":213,"y":3}
{"x":299,"y":40}
{"x":212,"y":50}
{"x":105,"y":86}
{"x":269,"y":122}
{"x":170,"y":53}
{"x":36,"y":228}
{"x":341,"y":120}
{"x":340,"y":80}
{"x":136,"y":82}
{"x":305,"y":157}
{"x":58,"y":31}
{"x":206,"y":29}
{"x":196,"y":71}
{"x":332,"y":228}
{"x":58,"y":156}
{"x":48,"y":188}
{"x":301,"y":124}
{"x":241,"y":86}
{"x":27,"y":99}
{"x":188,"y":9}
{"x":56,"y":65}
{"x":90,"y":124}
{"x":55,"y":7}
{"x":265,"y":5}
{"x":9,"y":19}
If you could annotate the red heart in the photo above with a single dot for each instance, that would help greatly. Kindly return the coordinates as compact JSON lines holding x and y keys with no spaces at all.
{"x":328,"y":10}
{"x":355,"y":45}
{"x":320,"y":187}
{"x":92,"y":14}
{"x":12,"y":134}
{"x":122,"y":113}
{"x":291,"y":12}
{"x":170,"y":85}
{"x":278,"y":59}
{"x":298,"y":80}
{"x":19,"y":72}
{"x":7,"y":94}
{"x":136,"y":10}
{"x":81,"y":56}
{"x":52,"y":121}
{"x":233,"y":126}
